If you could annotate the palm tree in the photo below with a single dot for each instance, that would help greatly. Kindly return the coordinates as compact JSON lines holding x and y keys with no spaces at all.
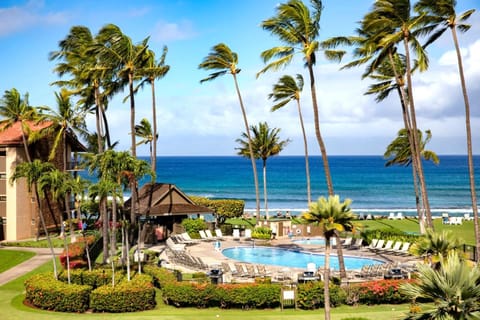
{"x":145,"y":132}
{"x":443,"y":16}
{"x":13,"y":109}
{"x":390,"y":23}
{"x":436,"y":245}
{"x":222,"y":60}
{"x":154,"y":70}
{"x":399,"y":153}
{"x":265,"y":144}
{"x":298,"y":29}
{"x":333,"y":217}
{"x":284,"y":91}
{"x":32,"y":172}
{"x":454,"y":289}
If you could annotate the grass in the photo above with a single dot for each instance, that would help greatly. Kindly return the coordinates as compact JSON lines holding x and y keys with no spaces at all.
{"x":11,"y":258}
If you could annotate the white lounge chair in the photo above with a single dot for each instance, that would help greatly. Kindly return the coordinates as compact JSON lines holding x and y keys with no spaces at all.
{"x":403,"y":251}
{"x":236,"y":234}
{"x":467,"y":217}
{"x":399,"y":216}
{"x":357,"y":244}
{"x":219,"y":234}
{"x":396,"y":247}
{"x":388,"y":246}
{"x":378,"y":246}
{"x":373,"y":244}
{"x":203,"y":235}
{"x":209,"y":235}
{"x":248,"y":234}
{"x":347,"y":243}
{"x":391,"y":216}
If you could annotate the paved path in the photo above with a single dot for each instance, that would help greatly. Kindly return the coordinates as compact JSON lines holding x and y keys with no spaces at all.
{"x":42,"y":255}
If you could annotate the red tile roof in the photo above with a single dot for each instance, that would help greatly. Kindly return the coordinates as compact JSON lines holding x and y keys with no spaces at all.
{"x":13,"y":134}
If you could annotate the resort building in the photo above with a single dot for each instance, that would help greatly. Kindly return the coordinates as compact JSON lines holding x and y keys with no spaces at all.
{"x":18,"y":209}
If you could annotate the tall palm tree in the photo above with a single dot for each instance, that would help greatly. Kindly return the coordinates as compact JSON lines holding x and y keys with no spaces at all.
{"x":222,"y":60}
{"x":454,"y":289}
{"x":154,"y":70}
{"x":284,"y":91}
{"x":399,"y":152}
{"x":333,"y":217}
{"x":443,"y":16}
{"x":298,"y":29}
{"x":13,"y":109}
{"x":266,"y":143}
{"x":388,"y":24}
{"x":32,"y":172}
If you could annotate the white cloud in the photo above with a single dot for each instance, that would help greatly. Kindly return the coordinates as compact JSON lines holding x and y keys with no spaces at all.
{"x":168,"y":31}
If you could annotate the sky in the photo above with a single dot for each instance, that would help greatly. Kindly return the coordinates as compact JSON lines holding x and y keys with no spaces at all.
{"x":205,"y":119}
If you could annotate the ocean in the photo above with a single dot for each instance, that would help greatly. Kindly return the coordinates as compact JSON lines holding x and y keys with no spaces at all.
{"x":371,"y":186}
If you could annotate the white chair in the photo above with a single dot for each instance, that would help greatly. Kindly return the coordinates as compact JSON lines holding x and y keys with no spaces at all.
{"x":391,"y":216}
{"x":236,"y":234}
{"x":467,"y":217}
{"x":248,"y":234}
{"x":209,"y":235}
{"x":219,"y":233}
{"x":399,"y":216}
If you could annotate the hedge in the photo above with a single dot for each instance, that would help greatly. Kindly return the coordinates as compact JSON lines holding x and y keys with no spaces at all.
{"x":223,"y":208}
{"x":128,"y":296}
{"x":44,"y":292}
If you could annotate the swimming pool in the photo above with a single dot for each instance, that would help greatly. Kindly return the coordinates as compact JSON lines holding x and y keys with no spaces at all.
{"x":310,"y":241}
{"x":293,"y":258}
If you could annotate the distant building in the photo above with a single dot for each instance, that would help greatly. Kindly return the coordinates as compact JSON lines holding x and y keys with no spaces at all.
{"x":18,"y":209}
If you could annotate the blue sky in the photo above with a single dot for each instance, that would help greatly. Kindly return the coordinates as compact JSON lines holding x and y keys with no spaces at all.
{"x":205,"y":119}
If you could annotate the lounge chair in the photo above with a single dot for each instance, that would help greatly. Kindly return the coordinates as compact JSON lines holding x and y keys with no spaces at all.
{"x":395,"y":247}
{"x":403,"y":251}
{"x":347,"y":243}
{"x":388,"y":246}
{"x":357,"y":244}
{"x":399,"y":216}
{"x":209,"y":235}
{"x":174,"y":246}
{"x":391,"y":216}
{"x":379,"y":244}
{"x":467,"y":217}
{"x":236,"y":234}
{"x":189,"y":239}
{"x":248,"y":234}
{"x":219,"y":234}
{"x":203,"y":235}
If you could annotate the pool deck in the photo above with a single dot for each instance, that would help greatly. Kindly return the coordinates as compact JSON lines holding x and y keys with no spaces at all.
{"x":214,"y":258}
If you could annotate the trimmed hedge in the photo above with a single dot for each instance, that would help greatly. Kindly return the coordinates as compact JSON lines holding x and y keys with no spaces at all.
{"x":223,"y":208}
{"x":44,"y":292}
{"x":128,"y":296}
{"x":310,"y":295}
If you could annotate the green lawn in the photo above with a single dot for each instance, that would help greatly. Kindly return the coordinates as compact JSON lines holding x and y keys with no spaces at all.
{"x":10,"y":258}
{"x":464,"y":231}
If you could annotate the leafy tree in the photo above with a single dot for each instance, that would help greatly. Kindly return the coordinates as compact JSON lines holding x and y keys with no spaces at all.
{"x":265,"y":143}
{"x":284,"y":91}
{"x":443,"y":16}
{"x":13,"y":109}
{"x":298,"y":28}
{"x":333,"y":217}
{"x":145,"y":132}
{"x":454,"y":289}
{"x":222,"y":60}
{"x":399,"y":153}
{"x":32,"y":172}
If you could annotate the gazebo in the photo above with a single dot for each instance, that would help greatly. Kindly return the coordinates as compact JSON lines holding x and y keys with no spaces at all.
{"x":163,"y":206}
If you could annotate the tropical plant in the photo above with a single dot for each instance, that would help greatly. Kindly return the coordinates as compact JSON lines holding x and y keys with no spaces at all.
{"x":434,"y":246}
{"x":222,"y":60}
{"x":399,"y":153}
{"x":32,"y":172}
{"x":284,"y":91}
{"x":454,"y":289}
{"x":265,"y":143}
{"x":145,"y":132}
{"x":333,"y":217}
{"x":443,"y":16}
{"x":298,"y":28}
{"x":13,"y":109}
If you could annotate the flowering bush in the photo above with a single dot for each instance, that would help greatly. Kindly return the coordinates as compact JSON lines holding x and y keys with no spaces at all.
{"x":381,"y":291}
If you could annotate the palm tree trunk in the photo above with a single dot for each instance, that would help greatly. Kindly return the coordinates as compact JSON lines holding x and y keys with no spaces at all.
{"x":305,"y":147}
{"x":471,"y":169}
{"x":103,"y":210}
{"x":318,"y":134}
{"x":47,"y":235}
{"x":250,"y":149}
{"x":265,"y":188}
{"x":326,"y":280}
{"x":113,"y":231}
{"x":341,"y":260}
{"x":154,"y":138}
{"x":416,"y":155}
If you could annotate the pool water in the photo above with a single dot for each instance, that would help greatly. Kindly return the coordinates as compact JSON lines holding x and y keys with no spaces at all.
{"x":311,"y":241}
{"x":292,"y":258}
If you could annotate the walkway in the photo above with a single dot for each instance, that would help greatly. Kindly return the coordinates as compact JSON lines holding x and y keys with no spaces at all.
{"x":42,"y":256}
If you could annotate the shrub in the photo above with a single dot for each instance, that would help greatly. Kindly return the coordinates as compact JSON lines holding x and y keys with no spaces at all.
{"x":76,"y":252}
{"x":262,"y":233}
{"x":183,"y":294}
{"x":381,"y":292}
{"x":161,"y":276}
{"x":310,"y":295}
{"x":223,"y":208}
{"x":127,"y":296}
{"x":192,"y":226}
{"x":247,"y":296}
{"x":43,"y":291}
